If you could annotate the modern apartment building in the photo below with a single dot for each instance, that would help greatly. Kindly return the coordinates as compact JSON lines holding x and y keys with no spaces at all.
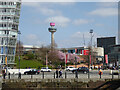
{"x":9,"y":22}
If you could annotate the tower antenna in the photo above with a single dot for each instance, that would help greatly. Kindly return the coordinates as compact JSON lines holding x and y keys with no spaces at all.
{"x":83,"y":40}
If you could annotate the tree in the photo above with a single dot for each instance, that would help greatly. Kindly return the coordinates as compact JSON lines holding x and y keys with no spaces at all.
{"x":91,"y":54}
{"x":41,"y":53}
{"x":29,"y":56}
{"x":19,"y":48}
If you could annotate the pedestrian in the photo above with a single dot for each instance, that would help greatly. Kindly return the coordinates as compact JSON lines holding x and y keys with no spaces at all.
{"x":60,"y":73}
{"x":100,"y":73}
{"x":3,"y":73}
{"x":99,"y":68}
{"x":56,"y":73}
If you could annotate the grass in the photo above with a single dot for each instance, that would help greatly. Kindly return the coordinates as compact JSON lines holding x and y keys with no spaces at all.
{"x":28,"y":63}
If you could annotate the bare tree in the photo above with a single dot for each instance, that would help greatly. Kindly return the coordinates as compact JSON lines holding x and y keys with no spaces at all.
{"x":90,"y":54}
{"x":41,"y":53}
{"x":19,"y":48}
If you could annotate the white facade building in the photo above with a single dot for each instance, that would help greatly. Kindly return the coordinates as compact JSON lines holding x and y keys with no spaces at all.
{"x":9,"y":22}
{"x":99,"y":51}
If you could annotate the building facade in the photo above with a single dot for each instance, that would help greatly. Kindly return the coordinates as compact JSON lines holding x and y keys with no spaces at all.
{"x":114,"y":55}
{"x":9,"y":22}
{"x":118,"y":23}
{"x":98,"y":52}
{"x":119,"y":34}
{"x":105,"y":42}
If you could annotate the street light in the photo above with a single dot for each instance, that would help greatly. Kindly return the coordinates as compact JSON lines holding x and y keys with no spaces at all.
{"x":19,"y":49}
{"x":91,"y":32}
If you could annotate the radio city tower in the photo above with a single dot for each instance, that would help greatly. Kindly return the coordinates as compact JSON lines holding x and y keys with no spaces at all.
{"x":52,"y":29}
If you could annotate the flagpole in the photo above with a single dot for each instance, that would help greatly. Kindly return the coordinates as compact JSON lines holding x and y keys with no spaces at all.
{"x":46,"y":60}
{"x":65,"y":61}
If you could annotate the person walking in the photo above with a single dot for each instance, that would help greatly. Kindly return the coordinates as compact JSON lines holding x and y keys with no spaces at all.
{"x":60,"y":74}
{"x":56,"y":73}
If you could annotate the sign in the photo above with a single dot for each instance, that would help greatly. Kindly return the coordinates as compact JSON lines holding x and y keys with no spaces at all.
{"x":66,"y":57}
{"x":75,"y":50}
{"x":85,"y":52}
{"x":106,"y":59}
{"x":6,"y":60}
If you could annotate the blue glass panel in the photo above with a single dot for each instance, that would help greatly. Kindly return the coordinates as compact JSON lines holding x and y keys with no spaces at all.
{"x":1,"y":50}
{"x":6,"y":49}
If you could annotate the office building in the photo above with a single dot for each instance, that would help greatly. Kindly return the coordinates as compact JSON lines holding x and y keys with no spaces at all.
{"x":105,"y":42}
{"x":9,"y":22}
{"x":114,"y":55}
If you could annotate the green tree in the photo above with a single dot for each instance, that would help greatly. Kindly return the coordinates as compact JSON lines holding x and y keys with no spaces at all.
{"x":29,"y":56}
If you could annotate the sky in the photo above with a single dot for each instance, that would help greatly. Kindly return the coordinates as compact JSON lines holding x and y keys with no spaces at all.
{"x":73,"y":22}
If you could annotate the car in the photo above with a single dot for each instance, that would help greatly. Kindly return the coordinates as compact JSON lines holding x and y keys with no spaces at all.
{"x":70,"y":68}
{"x":33,"y":71}
{"x":45,"y":69}
{"x":81,"y":69}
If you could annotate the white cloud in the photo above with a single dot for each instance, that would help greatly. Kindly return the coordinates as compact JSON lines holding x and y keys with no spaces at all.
{"x":29,"y":4}
{"x":48,"y":11}
{"x":107,"y":4}
{"x":80,"y":35}
{"x":70,"y":0}
{"x":66,"y":0}
{"x":108,"y":0}
{"x":80,"y":21}
{"x":43,"y":8}
{"x":104,"y":12}
{"x":59,"y":20}
{"x":77,"y":39}
{"x":32,"y":39}
{"x":99,"y":25}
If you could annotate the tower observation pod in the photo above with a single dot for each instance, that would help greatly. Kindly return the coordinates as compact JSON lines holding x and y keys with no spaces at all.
{"x":52,"y":29}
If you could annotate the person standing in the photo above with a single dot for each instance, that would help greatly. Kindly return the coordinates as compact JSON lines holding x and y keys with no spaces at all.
{"x":100,"y":73}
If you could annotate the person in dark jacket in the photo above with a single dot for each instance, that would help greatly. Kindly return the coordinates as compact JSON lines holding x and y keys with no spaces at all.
{"x":60,"y":73}
{"x":57,"y":73}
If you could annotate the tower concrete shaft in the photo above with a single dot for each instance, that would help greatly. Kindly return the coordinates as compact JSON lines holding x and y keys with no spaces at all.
{"x":52,"y":40}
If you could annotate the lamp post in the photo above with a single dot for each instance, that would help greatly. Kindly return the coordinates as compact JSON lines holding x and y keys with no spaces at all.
{"x":91,"y":32}
{"x":19,"y":49}
{"x":75,"y":62}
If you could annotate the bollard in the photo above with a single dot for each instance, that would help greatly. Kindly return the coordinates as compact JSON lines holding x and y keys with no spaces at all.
{"x":112,"y":75}
{"x":43,"y":75}
{"x":19,"y":75}
{"x":3,"y":75}
{"x":31,"y":76}
{"x":54,"y":75}
{"x":118,"y":74}
{"x":76,"y":74}
{"x":8,"y":75}
{"x":65,"y":75}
